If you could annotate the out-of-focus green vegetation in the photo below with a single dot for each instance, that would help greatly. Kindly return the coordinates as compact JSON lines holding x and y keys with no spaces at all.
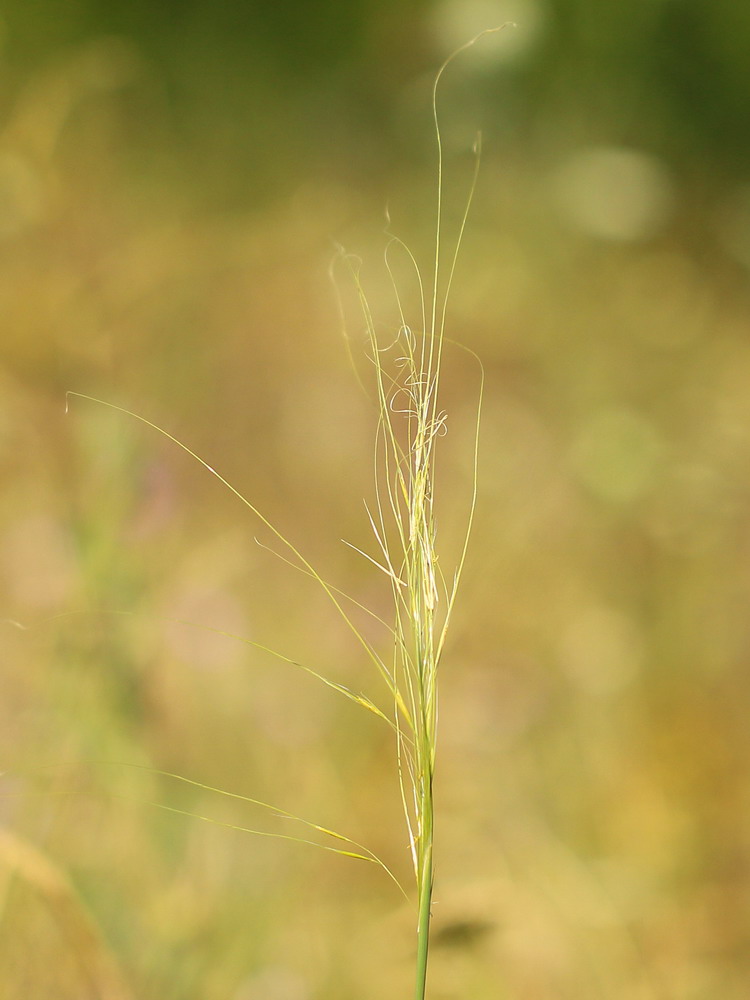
{"x":172,"y":179}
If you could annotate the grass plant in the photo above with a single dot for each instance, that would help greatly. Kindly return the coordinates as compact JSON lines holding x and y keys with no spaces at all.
{"x":409,"y":423}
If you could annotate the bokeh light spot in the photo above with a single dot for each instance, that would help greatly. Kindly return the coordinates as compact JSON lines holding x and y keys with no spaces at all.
{"x":456,"y":21}
{"x":614,"y":193}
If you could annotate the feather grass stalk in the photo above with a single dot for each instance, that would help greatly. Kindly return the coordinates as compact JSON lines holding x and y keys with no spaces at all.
{"x":410,"y":421}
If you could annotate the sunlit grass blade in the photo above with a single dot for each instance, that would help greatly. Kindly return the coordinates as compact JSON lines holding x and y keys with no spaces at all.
{"x":367,"y":646}
{"x":358,"y":852}
{"x":358,"y":699}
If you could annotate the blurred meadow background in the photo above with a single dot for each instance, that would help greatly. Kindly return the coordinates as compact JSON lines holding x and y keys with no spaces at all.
{"x":173,"y":180}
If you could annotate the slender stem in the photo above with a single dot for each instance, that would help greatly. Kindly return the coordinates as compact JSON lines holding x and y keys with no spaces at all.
{"x":426,"y":875}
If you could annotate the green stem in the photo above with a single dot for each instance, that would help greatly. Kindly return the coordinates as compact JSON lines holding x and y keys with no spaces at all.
{"x":423,"y":927}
